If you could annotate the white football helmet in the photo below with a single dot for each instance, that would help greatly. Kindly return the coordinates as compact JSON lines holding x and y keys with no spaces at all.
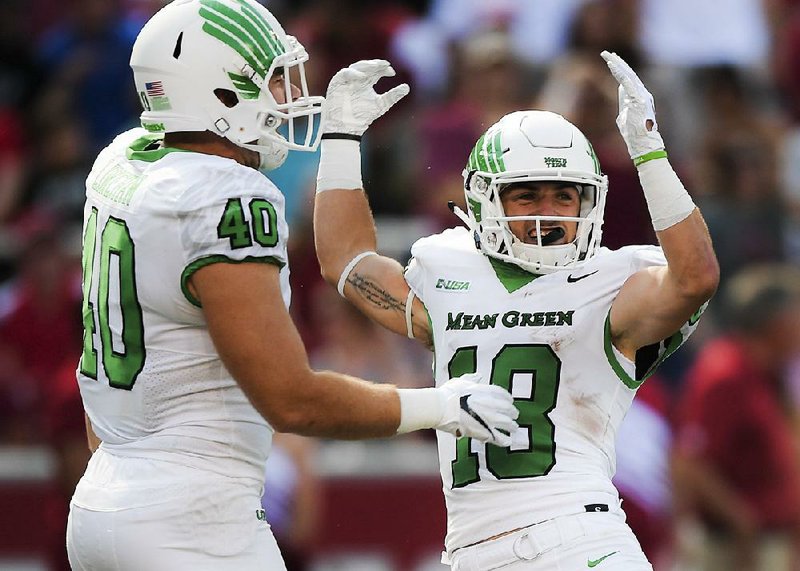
{"x":190,"y":48}
{"x":533,"y":146}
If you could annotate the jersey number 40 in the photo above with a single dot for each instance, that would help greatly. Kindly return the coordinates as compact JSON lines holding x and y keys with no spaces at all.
{"x":115,"y":249}
{"x":544,"y":367}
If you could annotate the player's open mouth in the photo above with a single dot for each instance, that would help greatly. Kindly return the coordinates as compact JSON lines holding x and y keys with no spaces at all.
{"x":550,"y":235}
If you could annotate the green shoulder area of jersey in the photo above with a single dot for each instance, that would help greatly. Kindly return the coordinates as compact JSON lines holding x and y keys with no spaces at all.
{"x":148,"y":149}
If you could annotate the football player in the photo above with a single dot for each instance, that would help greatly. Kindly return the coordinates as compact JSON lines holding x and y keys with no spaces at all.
{"x":190,"y":359}
{"x":525,"y":296}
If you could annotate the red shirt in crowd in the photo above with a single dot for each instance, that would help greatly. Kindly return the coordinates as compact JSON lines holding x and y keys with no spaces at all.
{"x":736,"y":417}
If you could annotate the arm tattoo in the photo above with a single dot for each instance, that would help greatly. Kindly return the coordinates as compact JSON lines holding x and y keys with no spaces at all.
{"x":374,"y":294}
{"x":380,"y":298}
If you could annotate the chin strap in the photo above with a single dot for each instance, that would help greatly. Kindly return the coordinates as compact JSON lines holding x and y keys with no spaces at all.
{"x":460,"y":213}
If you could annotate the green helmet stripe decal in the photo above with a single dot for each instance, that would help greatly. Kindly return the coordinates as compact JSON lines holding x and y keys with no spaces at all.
{"x":244,"y":85}
{"x":224,"y":36}
{"x":487,"y":154}
{"x":240,"y":33}
{"x":490,"y":153}
{"x":497,"y":149}
{"x":594,"y":157}
{"x":482,"y":164}
{"x":264,"y":26}
{"x":254,"y":23}
{"x":476,"y":209}
{"x":473,"y":156}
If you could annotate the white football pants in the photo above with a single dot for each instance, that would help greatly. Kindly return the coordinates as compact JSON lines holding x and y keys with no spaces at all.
{"x":597,"y":540}
{"x":131,"y":514}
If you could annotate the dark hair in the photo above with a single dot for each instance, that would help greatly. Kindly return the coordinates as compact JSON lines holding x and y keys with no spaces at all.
{"x":756,"y":295}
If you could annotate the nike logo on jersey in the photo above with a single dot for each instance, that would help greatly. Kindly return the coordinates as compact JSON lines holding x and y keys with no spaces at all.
{"x":572,"y":280}
{"x":595,"y":562}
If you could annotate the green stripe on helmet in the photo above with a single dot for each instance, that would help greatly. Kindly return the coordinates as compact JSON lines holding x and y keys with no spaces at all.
{"x":595,"y":160}
{"x":243,"y":29}
{"x":490,"y":161}
{"x":244,"y":35}
{"x":240,"y":27}
{"x":497,"y":146}
{"x":487,"y":154}
{"x":475,"y":206}
{"x":245,"y":86}
{"x":264,"y":26}
{"x":231,"y":41}
{"x":484,"y":154}
{"x":473,"y":156}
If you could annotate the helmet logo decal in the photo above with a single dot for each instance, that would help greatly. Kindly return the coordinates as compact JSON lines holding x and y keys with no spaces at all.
{"x":555,"y":162}
{"x":247,"y":32}
{"x":487,"y":155}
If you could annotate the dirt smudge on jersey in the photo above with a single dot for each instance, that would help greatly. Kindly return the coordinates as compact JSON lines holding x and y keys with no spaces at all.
{"x":589,"y":412}
{"x":559,"y":342}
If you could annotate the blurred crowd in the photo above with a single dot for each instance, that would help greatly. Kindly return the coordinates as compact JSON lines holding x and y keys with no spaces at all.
{"x":712,"y":444}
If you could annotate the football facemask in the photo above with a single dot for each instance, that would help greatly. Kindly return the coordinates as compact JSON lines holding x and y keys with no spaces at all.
{"x":191,"y":49}
{"x":534,"y":146}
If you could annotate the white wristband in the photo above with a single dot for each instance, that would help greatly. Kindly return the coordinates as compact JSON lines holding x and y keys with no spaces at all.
{"x":420,"y":408}
{"x":339,"y":165}
{"x":349,"y":268}
{"x":667,"y":199}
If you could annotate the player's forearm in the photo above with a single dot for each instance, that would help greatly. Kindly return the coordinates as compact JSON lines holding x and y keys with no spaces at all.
{"x":681,"y":230}
{"x":332,"y":405}
{"x":692,"y":264}
{"x":343,"y":228}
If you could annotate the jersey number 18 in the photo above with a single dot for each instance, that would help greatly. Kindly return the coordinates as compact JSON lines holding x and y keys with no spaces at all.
{"x":544,"y":366}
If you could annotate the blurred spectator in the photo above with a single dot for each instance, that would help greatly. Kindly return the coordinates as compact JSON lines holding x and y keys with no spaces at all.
{"x":340,"y":32}
{"x":538,"y":29}
{"x":738,"y":183}
{"x":19,"y":77}
{"x":680,"y":37}
{"x":787,"y":78}
{"x":690,"y":34}
{"x":292,"y":498}
{"x":12,"y":162}
{"x":58,"y":184}
{"x":736,"y":467}
{"x":40,"y":325}
{"x":89,"y":78}
{"x":488,"y":81}
{"x":642,"y":478}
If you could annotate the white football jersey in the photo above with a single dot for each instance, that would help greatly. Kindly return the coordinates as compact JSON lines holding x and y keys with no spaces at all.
{"x":151,"y":380}
{"x":545,"y":339}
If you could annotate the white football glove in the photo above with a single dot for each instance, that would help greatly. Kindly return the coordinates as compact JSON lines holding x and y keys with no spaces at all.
{"x":636,"y":108}
{"x":484,"y":412}
{"x":351,"y":103}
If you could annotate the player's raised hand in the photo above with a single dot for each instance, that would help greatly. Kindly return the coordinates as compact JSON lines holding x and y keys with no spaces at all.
{"x":351,"y":103}
{"x":484,"y":412}
{"x":637,"y":111}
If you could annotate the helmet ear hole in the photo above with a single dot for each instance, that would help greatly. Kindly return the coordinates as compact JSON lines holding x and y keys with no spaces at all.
{"x":176,"y":53}
{"x":227,"y":97}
